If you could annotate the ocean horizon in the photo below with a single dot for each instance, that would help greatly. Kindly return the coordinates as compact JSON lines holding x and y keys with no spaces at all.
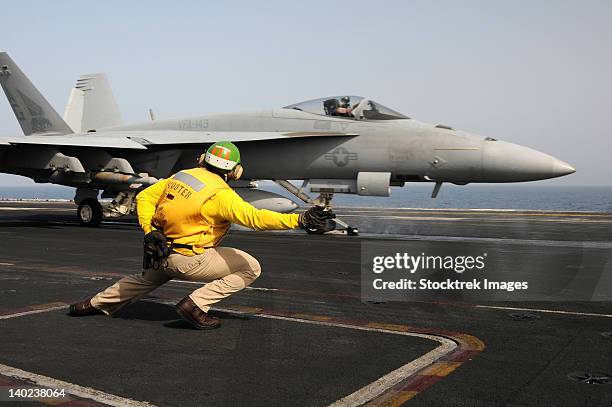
{"x":482,"y":196}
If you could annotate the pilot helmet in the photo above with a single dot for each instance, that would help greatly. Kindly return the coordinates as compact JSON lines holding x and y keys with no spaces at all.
{"x":346,"y":100}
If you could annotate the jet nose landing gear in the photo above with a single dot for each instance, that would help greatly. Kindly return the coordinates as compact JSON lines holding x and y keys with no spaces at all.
{"x":344,"y":228}
{"x":323,"y":200}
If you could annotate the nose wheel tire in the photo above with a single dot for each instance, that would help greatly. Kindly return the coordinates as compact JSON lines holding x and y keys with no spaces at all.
{"x":89,"y":213}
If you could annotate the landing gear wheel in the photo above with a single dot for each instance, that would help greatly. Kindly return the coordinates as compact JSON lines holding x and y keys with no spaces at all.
{"x":90,"y":213}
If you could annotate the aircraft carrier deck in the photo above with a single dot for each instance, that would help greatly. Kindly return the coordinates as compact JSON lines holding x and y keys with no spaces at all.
{"x":302,"y":336}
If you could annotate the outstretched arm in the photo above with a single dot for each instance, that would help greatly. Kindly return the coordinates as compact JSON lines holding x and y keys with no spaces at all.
{"x":232,"y":207}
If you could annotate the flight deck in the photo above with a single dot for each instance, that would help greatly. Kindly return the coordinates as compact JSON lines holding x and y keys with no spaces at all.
{"x":302,"y":335}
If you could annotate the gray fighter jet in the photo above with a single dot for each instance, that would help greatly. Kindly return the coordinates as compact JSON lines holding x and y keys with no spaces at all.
{"x":345,"y":144}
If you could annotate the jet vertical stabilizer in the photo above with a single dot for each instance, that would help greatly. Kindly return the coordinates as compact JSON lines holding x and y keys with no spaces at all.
{"x":92,"y":105}
{"x":34,"y":113}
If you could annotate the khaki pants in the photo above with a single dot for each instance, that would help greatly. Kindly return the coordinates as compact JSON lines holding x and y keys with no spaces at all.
{"x":225,"y":270}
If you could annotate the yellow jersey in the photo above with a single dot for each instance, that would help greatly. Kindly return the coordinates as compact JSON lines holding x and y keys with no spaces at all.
{"x":196,"y":207}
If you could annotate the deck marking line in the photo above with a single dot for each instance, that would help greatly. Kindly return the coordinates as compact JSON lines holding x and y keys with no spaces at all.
{"x":392,"y":387}
{"x":534,"y":242}
{"x":506,"y":212}
{"x":440,"y":368}
{"x":379,"y":386}
{"x":68,"y":399}
{"x":73,"y":389}
{"x":402,"y":384}
{"x":8,"y":208}
{"x":35,"y":311}
{"x":466,"y":305}
{"x":548,"y":311}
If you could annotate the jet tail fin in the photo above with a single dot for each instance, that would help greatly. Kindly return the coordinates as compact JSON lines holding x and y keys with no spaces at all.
{"x":92,"y":105}
{"x":34,"y":113}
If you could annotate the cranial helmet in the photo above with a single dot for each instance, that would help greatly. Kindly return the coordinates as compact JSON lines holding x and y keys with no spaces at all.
{"x":223,"y":156}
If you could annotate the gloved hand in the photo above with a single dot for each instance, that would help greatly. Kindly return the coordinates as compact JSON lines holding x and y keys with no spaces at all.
{"x":317,"y":220}
{"x":155,"y":244}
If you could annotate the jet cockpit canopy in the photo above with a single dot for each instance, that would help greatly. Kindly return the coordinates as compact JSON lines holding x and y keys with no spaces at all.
{"x":350,"y":107}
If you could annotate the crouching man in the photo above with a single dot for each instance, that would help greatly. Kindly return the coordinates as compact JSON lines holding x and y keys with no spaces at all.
{"x":184,"y":219}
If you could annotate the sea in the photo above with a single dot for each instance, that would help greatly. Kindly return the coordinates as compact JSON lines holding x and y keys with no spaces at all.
{"x":479,"y":196}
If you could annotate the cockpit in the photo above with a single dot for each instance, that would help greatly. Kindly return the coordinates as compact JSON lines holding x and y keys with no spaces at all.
{"x":349,"y":107}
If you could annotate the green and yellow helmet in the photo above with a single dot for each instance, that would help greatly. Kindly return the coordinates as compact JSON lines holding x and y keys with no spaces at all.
{"x":223,"y":155}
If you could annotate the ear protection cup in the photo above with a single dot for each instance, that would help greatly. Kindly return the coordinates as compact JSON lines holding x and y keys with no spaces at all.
{"x":236,"y":173}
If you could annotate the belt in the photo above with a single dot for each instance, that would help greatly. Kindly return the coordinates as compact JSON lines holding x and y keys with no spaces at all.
{"x":174,"y":246}
{"x":181,"y":246}
{"x":185,"y":246}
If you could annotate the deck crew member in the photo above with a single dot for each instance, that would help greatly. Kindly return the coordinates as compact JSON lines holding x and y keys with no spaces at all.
{"x":184,"y":219}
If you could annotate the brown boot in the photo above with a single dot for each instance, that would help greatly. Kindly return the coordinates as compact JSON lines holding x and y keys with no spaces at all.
{"x":83,"y":308}
{"x":191,"y":313}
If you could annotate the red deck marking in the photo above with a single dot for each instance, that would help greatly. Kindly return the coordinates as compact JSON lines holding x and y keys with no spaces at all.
{"x":468,"y":347}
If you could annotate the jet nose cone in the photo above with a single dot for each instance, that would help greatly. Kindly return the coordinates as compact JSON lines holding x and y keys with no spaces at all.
{"x":507,"y":162}
{"x":561,"y":168}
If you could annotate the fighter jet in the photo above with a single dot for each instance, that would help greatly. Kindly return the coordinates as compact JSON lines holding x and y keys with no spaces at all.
{"x":341,"y":144}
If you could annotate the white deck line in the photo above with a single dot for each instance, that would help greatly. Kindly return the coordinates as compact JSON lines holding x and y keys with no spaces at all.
{"x":357,"y":398}
{"x":552,"y":211}
{"x":548,"y":311}
{"x":73,"y":389}
{"x":34,"y":200}
{"x":465,"y":219}
{"x":10,"y":208}
{"x":37,"y":311}
{"x":379,"y":386}
{"x":534,"y":242}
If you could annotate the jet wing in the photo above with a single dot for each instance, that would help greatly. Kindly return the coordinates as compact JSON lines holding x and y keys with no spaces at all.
{"x":75,"y":141}
{"x":159,"y":137}
{"x":139,"y":140}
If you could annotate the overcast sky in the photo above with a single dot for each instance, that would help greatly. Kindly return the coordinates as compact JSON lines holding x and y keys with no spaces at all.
{"x":536,"y":73}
